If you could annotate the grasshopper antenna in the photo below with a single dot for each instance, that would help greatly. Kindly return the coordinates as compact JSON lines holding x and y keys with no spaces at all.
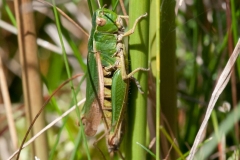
{"x":120,"y":154}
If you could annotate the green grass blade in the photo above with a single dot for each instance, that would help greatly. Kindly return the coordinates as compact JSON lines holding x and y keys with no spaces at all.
{"x":158,"y":79}
{"x":90,"y":7}
{"x":146,"y":149}
{"x":114,"y":4}
{"x":10,"y":14}
{"x":76,"y":146}
{"x":93,"y":6}
{"x":154,"y":51}
{"x":172,"y":142}
{"x":75,"y":50}
{"x":234,"y":22}
{"x":65,"y":56}
{"x":215,"y":122}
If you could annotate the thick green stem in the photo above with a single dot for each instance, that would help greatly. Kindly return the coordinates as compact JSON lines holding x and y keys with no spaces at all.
{"x":137,"y":108}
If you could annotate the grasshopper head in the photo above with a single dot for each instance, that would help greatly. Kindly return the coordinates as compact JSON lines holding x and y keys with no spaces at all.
{"x":113,"y":144}
{"x":114,"y":141}
{"x":107,"y":21}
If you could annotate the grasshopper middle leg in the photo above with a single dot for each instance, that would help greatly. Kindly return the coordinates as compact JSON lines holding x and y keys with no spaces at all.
{"x":122,"y":55}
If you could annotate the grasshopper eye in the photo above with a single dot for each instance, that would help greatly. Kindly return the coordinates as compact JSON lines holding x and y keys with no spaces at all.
{"x":100,"y":21}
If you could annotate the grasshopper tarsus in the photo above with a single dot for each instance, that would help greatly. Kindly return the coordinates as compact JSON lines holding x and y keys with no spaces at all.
{"x":137,"y":84}
{"x":120,"y":154}
{"x":135,"y":80}
{"x":131,"y":31}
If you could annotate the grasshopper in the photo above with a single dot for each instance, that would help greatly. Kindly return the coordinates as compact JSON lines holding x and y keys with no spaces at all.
{"x":107,"y":77}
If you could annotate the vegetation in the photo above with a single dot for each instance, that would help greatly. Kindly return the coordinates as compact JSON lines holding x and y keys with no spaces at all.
{"x":185,"y":45}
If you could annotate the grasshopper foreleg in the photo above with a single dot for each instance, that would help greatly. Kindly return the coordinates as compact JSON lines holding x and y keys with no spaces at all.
{"x":131,"y":31}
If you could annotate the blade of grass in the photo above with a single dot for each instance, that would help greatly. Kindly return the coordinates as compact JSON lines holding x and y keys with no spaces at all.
{"x":114,"y":4}
{"x":158,"y":58}
{"x":154,"y":57}
{"x":9,"y":12}
{"x":172,"y":142}
{"x":65,"y":56}
{"x":146,"y":149}
{"x":75,"y":51}
{"x":76,"y":146}
{"x":92,"y":5}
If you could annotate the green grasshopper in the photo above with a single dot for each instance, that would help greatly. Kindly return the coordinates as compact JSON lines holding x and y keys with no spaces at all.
{"x":108,"y":77}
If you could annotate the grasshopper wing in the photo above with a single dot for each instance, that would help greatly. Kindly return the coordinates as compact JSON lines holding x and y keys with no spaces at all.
{"x":92,"y":110}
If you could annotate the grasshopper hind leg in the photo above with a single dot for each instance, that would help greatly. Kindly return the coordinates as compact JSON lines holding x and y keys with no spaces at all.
{"x":119,"y":153}
{"x":130,"y":76}
{"x":95,"y":145}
